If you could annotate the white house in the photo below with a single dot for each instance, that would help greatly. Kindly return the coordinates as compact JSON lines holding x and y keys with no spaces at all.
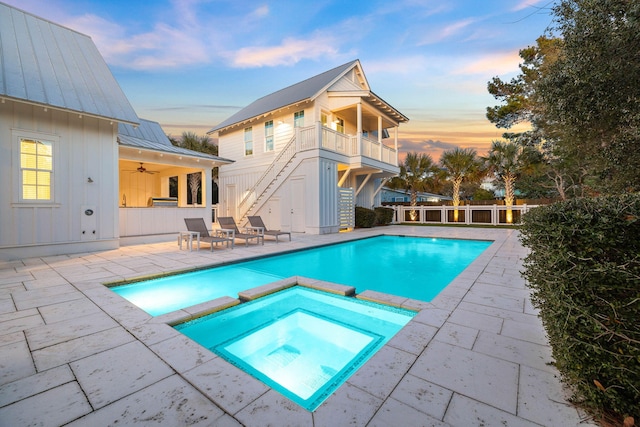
{"x":60,"y":161}
{"x":390,"y":195}
{"x":306,"y":155}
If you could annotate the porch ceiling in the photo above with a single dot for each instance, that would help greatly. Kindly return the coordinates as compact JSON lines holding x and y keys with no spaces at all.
{"x":369,"y":117}
{"x":362,"y":169}
{"x":166,"y":160}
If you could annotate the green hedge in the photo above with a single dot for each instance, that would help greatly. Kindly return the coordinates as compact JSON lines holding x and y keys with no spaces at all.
{"x":384,"y":216}
{"x":584,"y":270}
{"x":365,"y":218}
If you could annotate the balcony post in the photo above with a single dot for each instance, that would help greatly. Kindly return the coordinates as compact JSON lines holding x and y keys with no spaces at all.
{"x":359,"y":127}
{"x":319,"y":143}
{"x":380,"y":138}
{"x":395,"y":142}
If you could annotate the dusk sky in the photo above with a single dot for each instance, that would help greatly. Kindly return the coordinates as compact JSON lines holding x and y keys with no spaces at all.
{"x":191,"y":64}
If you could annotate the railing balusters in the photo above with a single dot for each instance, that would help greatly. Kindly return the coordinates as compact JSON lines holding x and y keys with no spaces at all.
{"x":466,"y":214}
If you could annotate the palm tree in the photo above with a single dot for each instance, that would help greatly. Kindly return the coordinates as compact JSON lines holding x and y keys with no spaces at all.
{"x":508,"y":160}
{"x":461,"y":164}
{"x":204,"y":144}
{"x":415,"y":173}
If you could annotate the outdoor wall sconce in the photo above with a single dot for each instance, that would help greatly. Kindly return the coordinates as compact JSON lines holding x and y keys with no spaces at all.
{"x":89,"y":180}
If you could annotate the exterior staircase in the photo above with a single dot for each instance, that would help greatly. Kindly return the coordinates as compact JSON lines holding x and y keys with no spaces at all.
{"x":256,"y":195}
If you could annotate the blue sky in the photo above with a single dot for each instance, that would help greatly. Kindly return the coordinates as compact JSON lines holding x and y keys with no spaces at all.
{"x":191,"y":64}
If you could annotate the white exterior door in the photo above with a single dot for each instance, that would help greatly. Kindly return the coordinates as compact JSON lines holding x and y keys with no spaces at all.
{"x":297,"y":206}
{"x":273,"y":218}
{"x":230,"y":201}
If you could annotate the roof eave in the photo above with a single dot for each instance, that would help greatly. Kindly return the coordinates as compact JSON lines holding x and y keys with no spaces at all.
{"x":70,"y":111}
{"x":195,"y":156}
{"x":258,"y":116}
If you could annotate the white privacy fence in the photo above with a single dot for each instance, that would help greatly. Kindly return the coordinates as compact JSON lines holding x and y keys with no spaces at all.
{"x":469,"y":214}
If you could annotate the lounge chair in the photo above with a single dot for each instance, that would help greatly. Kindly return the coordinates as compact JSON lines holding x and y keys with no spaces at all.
{"x":228,"y":224}
{"x":198,"y":225}
{"x":256,"y":222}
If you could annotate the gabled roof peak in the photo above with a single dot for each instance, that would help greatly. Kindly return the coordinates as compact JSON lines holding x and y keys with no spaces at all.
{"x":302,"y":91}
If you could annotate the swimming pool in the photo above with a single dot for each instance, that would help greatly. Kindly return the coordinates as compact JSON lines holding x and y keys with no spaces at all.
{"x":411,"y":267}
{"x":301,"y":342}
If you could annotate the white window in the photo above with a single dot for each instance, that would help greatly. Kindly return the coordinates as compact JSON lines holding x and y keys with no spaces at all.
{"x":339,"y":125}
{"x":248,"y":141}
{"x":35,"y":154}
{"x":298,"y":119}
{"x":268,"y":136}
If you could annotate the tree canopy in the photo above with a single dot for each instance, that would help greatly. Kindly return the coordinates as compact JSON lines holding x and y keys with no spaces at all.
{"x":191,"y":141}
{"x":579,"y":91}
{"x":416,"y":174}
{"x":461,"y":165}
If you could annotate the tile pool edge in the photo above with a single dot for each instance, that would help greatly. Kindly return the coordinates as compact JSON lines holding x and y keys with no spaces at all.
{"x":362,"y":395}
{"x":135,"y":279}
{"x":208,"y":307}
{"x":395,"y":319}
{"x":130,"y":280}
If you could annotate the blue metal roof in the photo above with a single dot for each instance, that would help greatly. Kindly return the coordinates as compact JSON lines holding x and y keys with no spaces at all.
{"x":301,"y":91}
{"x":150,"y":136}
{"x":47,"y":64}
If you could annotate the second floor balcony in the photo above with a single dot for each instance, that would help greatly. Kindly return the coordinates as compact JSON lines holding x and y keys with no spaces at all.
{"x":357,"y":149}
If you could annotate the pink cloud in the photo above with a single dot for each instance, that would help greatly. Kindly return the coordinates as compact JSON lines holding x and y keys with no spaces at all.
{"x":494,"y":64}
{"x":289,"y":52}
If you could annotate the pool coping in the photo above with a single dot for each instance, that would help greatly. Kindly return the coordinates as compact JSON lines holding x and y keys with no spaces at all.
{"x":429,"y":317}
{"x":476,"y":352}
{"x":223,"y":302}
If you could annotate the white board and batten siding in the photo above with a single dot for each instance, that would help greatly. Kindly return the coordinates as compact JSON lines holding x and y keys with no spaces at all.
{"x":84,"y":147}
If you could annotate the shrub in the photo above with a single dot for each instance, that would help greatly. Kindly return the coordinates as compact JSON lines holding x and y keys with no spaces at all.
{"x":384,"y":216}
{"x":584,"y":270}
{"x":365,"y":218}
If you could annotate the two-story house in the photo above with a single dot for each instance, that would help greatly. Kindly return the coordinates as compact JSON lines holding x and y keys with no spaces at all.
{"x":306,"y":155}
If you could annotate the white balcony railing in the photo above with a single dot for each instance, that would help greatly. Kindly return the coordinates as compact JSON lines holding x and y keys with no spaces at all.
{"x":348,"y":145}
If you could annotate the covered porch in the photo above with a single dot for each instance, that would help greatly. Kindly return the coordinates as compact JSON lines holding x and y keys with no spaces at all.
{"x":161,"y":184}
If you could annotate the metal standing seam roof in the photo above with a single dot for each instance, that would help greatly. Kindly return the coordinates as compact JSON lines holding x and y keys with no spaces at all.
{"x":150,"y":136}
{"x":47,"y":64}
{"x":301,"y":91}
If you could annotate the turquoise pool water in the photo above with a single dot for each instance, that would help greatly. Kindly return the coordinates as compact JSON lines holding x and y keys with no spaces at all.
{"x":412,"y":267}
{"x":300,"y":342}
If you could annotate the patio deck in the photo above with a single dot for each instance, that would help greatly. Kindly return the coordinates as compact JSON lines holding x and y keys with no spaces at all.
{"x":72,"y":352}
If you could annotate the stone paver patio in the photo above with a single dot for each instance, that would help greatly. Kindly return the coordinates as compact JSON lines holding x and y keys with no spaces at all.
{"x":74,"y":353}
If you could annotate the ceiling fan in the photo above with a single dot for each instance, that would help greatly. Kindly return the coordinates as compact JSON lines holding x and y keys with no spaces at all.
{"x":142,"y":169}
